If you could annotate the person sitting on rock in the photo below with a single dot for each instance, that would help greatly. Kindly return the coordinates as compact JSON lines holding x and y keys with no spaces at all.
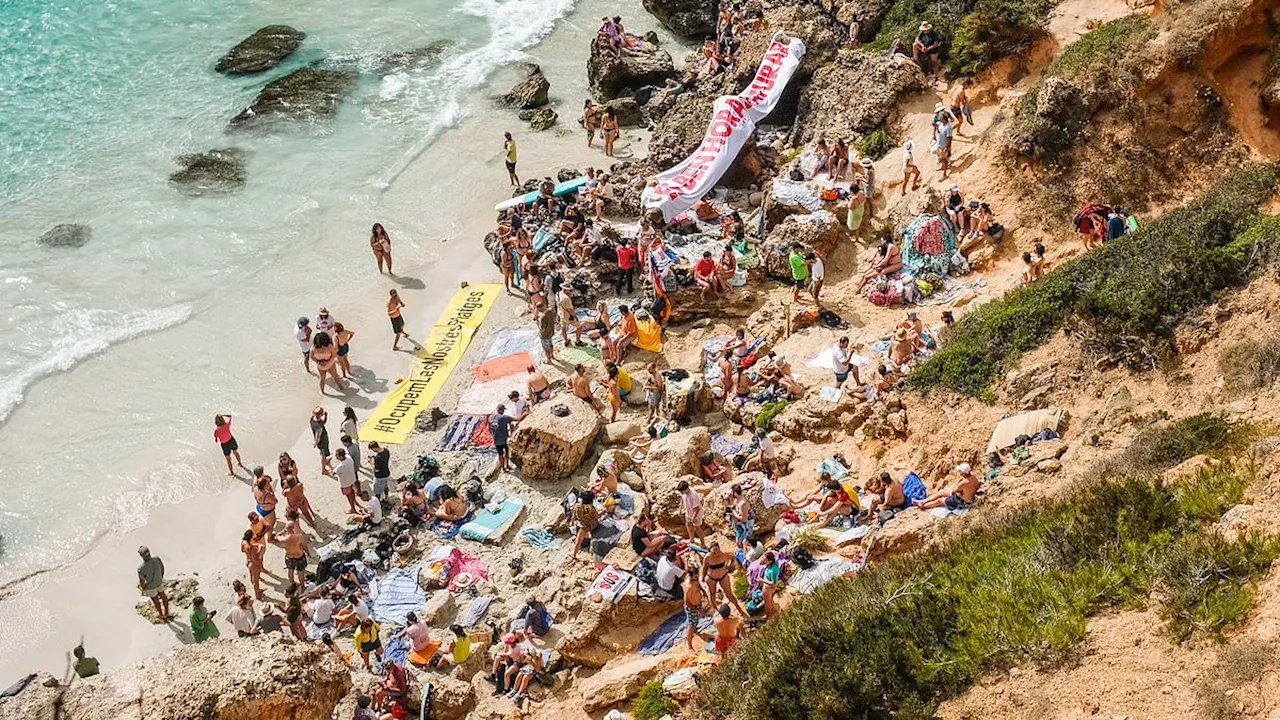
{"x":711,"y":54}
{"x":705,"y":275}
{"x":705,"y":211}
{"x":621,"y":338}
{"x":605,"y":483}
{"x":925,"y":49}
{"x":646,"y":539}
{"x":886,"y":261}
{"x":713,"y":470}
{"x":532,"y":619}
{"x":608,"y":37}
{"x":886,"y":494}
{"x":958,"y":496}
{"x":902,"y":348}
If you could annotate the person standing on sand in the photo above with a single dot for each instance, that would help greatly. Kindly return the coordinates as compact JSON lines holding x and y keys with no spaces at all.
{"x":547,"y":331}
{"x":509,"y":152}
{"x":222,"y":434}
{"x":380,"y":243}
{"x":295,"y":551}
{"x":590,"y":120}
{"x":394,"y":305}
{"x":151,"y":582}
{"x":500,"y":426}
{"x":609,"y":126}
{"x":295,"y":498}
{"x":381,"y":461}
{"x":342,"y":337}
{"x":350,"y":431}
{"x":910,"y":171}
{"x":253,"y":553}
{"x":325,"y":354}
{"x":201,"y":620}
{"x":347,"y":480}
{"x":320,"y":438}
{"x":304,"y":341}
{"x":264,"y":495}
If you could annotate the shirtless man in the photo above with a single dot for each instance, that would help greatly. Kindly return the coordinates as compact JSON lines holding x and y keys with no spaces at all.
{"x":295,"y":550}
{"x":621,"y":338}
{"x":886,"y":493}
{"x":394,"y":305}
{"x":539,"y":387}
{"x":564,"y":306}
{"x":728,"y":629}
{"x":959,"y":496}
{"x":694,"y":602}
{"x":253,"y":553}
{"x":580,"y":386}
{"x":590,"y":120}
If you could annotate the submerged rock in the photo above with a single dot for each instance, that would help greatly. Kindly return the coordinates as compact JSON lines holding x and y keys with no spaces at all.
{"x":531,"y":92}
{"x":684,"y":17}
{"x":66,"y":235}
{"x":610,"y":72}
{"x":305,"y":94}
{"x":414,"y":59}
{"x":208,"y":173}
{"x":261,"y":51}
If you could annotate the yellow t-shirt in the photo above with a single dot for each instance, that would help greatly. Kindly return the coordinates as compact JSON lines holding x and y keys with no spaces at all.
{"x":461,"y":650}
{"x":624,"y":380}
{"x":511,"y":151}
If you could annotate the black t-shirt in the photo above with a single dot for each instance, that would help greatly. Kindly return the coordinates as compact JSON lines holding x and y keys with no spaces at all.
{"x":928,"y":38}
{"x":382,"y":464}
{"x":638,"y":536}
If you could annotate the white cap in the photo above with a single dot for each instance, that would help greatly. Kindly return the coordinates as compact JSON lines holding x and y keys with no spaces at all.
{"x":964,"y":468}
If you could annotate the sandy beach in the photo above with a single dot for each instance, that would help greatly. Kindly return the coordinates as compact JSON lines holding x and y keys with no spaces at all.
{"x":444,"y":205}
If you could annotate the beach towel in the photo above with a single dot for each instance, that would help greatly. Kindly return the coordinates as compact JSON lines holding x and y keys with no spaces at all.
{"x":489,"y":526}
{"x":913,"y":488}
{"x":483,"y":398}
{"x":1031,"y":422}
{"x":513,"y":339}
{"x":475,"y":611}
{"x":712,"y":350}
{"x":395,"y":649}
{"x":503,"y":366}
{"x":950,"y":290}
{"x":539,"y":538}
{"x":665,"y":636}
{"x":449,"y":529}
{"x":726,"y":446}
{"x":927,"y":245}
{"x":830,"y":394}
{"x":791,"y":192}
{"x":398,"y":594}
{"x":573,"y":354}
{"x":649,"y":336}
{"x":611,"y":583}
{"x":823,"y":572}
{"x":465,"y":431}
{"x":834,"y":468}
{"x":542,"y":237}
{"x":467,"y":564}
{"x":603,"y":539}
{"x":772,"y":495}
{"x":857,"y":532}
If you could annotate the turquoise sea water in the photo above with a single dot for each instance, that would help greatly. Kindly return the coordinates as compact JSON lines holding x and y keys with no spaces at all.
{"x":106,"y":349}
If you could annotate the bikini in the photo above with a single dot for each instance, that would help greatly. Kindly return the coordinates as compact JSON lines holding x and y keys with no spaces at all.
{"x":717,"y":566}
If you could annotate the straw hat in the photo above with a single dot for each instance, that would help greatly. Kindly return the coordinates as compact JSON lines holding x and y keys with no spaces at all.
{"x":865,"y":162}
{"x":318,"y":411}
{"x":925,"y":27}
{"x":268,"y":608}
{"x":900,"y":334}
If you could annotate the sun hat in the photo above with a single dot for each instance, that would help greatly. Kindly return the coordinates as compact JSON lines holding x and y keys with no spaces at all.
{"x":938,"y":107}
{"x":964,"y":468}
{"x":900,"y":334}
{"x":865,"y":162}
{"x":509,"y":638}
{"x":925,"y":26}
{"x":268,"y":608}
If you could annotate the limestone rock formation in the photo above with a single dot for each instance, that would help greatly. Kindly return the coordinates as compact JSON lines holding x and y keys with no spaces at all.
{"x":414,"y":59}
{"x":621,"y":680}
{"x":309,"y":93}
{"x":541,"y":119}
{"x":800,"y":20}
{"x":627,"y":110}
{"x":550,"y":447}
{"x":531,"y":92}
{"x":66,"y":235}
{"x":261,"y":51}
{"x":618,"y":433}
{"x":604,"y":630}
{"x":852,"y":96}
{"x":690,"y":18}
{"x":212,"y":172}
{"x":717,"y":502}
{"x":609,"y":72}
{"x":270,"y":677}
{"x":1051,"y":121}
{"x":870,"y":15}
{"x":670,"y":460}
{"x":819,"y":232}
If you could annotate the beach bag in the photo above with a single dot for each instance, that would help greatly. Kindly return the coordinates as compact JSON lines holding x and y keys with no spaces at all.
{"x":796,"y":174}
{"x":913,"y":488}
{"x":802,"y":558}
{"x":830,"y":195}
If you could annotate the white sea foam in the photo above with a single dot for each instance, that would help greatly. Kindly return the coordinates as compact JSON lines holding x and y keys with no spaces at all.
{"x":84,"y":333}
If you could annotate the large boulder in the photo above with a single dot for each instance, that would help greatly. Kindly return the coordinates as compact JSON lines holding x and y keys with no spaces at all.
{"x":627,"y":110}
{"x":690,"y":18}
{"x":605,"y":630}
{"x":681,"y":131}
{"x":870,"y":15}
{"x":819,"y":232}
{"x":540,"y":119}
{"x":268,"y":677}
{"x":1048,"y":120}
{"x":717,"y":502}
{"x":803,"y":21}
{"x":531,"y":92}
{"x":310,"y":93}
{"x":260,"y":51}
{"x":66,"y":235}
{"x":415,"y":59}
{"x":853,"y":96}
{"x":550,"y":447}
{"x":453,"y":698}
{"x":208,"y":173}
{"x":610,"y":72}
{"x":671,"y":459}
{"x":622,"y":679}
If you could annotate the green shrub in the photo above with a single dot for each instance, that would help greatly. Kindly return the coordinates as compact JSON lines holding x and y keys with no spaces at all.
{"x":1099,"y":49}
{"x":1162,"y":447}
{"x":740,"y":586}
{"x":875,"y":144}
{"x":996,"y":29}
{"x":810,"y":539}
{"x":652,"y":703}
{"x":899,"y":637}
{"x":1126,"y":296}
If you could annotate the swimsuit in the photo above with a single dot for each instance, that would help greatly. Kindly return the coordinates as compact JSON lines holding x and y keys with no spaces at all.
{"x":343,"y":349}
{"x":717,"y":566}
{"x":541,"y":395}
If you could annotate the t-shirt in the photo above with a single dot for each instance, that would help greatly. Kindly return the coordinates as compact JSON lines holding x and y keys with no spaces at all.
{"x":511,"y":150}
{"x":222,"y":433}
{"x":799,"y":271}
{"x":535,"y":619}
{"x":374,"y":508}
{"x":705,"y":267}
{"x":626,"y":257}
{"x":322,"y":611}
{"x":839,"y":360}
{"x":86,"y":667}
{"x":692,"y":503}
{"x":382,"y":464}
{"x":365,"y":635}
{"x":304,"y":339}
{"x":547,"y":324}
{"x":767,"y":448}
{"x":668,"y":574}
{"x":638,"y":535}
{"x":624,"y":380}
{"x":1115,"y":227}
{"x":518,"y":406}
{"x":819,"y":270}
{"x":500,"y":426}
{"x":419,"y":635}
{"x":461,"y":650}
{"x":242,"y":619}
{"x":346,"y":472}
{"x":928,"y":38}
{"x":269,"y":623}
{"x":152,"y":573}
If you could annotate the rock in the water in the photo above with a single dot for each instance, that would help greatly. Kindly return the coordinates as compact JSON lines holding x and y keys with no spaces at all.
{"x":550,"y":447}
{"x":261,"y":51}
{"x":542,"y":119}
{"x":689,"y":18}
{"x":530,"y":92}
{"x":414,"y":59}
{"x":609,"y":72}
{"x":267,"y":677}
{"x":627,"y":110}
{"x":306,"y":94}
{"x":212,"y":172}
{"x":66,"y":235}
{"x":852,"y":96}
{"x":671,"y":459}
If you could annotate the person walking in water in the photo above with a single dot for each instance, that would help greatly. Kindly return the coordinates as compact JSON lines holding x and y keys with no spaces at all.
{"x":304,"y":341}
{"x":509,"y":149}
{"x":380,"y":243}
{"x":394,"y":305}
{"x":151,"y":582}
{"x":222,"y":433}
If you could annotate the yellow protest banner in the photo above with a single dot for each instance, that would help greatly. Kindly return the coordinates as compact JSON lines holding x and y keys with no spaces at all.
{"x":392,"y":421}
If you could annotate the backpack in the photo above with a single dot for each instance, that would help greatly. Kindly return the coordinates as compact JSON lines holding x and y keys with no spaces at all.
{"x":802,"y":558}
{"x":796,"y":174}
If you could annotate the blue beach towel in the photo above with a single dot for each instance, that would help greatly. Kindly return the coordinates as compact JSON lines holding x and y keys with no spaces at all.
{"x":668,"y":634}
{"x":539,"y":538}
{"x":450,"y":529}
{"x":913,"y":488}
{"x":486,"y":524}
{"x":398,"y":595}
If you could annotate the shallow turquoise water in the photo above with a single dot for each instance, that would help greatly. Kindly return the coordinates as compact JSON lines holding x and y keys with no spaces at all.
{"x":97,"y":99}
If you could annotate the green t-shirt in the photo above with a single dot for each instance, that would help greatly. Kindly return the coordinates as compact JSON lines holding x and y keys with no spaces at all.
{"x":86,"y":667}
{"x":151,"y":573}
{"x":799,"y":270}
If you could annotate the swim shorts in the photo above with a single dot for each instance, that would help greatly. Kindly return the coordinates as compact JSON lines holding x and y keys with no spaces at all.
{"x":397,"y":324}
{"x":742,"y":531}
{"x":841,"y":377}
{"x":653,"y":397}
{"x":511,"y":167}
{"x":296,"y":563}
{"x":230,"y":446}
{"x":547,"y":343}
{"x":955,"y":502}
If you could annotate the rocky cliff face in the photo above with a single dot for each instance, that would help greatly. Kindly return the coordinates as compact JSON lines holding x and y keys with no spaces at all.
{"x":684,"y":17}
{"x":261,"y":678}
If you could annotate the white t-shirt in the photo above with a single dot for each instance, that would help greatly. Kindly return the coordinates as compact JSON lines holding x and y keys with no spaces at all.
{"x":346,"y":472}
{"x":767,"y":448}
{"x":374,"y":506}
{"x":818,"y":270}
{"x":517,"y":407}
{"x":668,"y":574}
{"x":840,"y":360}
{"x":349,"y":428}
{"x":304,"y":339}
{"x":324,"y":325}
{"x":242,"y":619}
{"x":322,"y":611}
